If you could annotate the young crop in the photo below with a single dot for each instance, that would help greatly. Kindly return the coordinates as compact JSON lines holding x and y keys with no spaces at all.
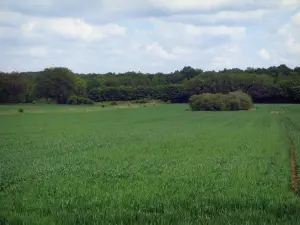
{"x":171,"y":167}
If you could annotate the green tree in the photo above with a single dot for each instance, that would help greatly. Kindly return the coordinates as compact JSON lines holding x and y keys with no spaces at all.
{"x":13,"y":87}
{"x":81,"y":86}
{"x":57,"y":83}
{"x":190,"y":72}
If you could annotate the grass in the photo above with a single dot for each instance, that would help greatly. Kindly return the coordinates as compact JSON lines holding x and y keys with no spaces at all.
{"x":290,"y":120}
{"x":146,"y":165}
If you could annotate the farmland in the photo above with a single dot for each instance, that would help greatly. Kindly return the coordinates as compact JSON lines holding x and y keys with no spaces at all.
{"x":158,"y":164}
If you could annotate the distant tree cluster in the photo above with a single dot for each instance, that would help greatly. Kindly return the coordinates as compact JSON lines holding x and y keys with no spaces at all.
{"x":232,"y":101}
{"x":273,"y":84}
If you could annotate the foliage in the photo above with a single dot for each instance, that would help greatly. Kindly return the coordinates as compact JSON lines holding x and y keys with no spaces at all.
{"x":142,"y":101}
{"x":114,"y":103}
{"x":56,"y":83}
{"x":170,"y":167}
{"x":220,"y":102}
{"x":274,"y":84}
{"x":81,"y":86}
{"x":72,"y":100}
{"x":13,"y":87}
{"x":20,"y":110}
{"x":44,"y":101}
{"x":77,"y":100}
{"x":174,"y":93}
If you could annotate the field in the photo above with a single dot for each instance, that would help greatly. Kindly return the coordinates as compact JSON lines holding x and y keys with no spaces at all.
{"x":158,"y":164}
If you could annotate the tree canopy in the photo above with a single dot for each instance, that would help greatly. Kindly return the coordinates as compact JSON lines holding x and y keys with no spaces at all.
{"x":56,"y":83}
{"x":273,"y":84}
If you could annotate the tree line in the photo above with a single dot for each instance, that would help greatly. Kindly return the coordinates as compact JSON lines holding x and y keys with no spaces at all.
{"x":264,"y":85}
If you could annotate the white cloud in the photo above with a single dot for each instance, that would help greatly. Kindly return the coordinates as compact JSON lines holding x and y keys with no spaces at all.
{"x":233,"y":32}
{"x":76,"y":28}
{"x":203,"y":5}
{"x":290,"y":35}
{"x":115,"y":51}
{"x":292,"y":4}
{"x":180,"y":50}
{"x":149,"y":35}
{"x":264,"y":54}
{"x":188,"y":31}
{"x":35,"y":52}
{"x":177,"y":5}
{"x":293,"y":45}
{"x":9,"y":17}
{"x":221,"y":17}
{"x":296,"y":19}
{"x":158,"y":50}
{"x":71,"y":28}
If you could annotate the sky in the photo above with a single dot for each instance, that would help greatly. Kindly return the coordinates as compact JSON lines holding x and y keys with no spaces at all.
{"x":99,"y":36}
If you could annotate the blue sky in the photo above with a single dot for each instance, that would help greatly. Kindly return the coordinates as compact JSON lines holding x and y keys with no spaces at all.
{"x":148,"y":35}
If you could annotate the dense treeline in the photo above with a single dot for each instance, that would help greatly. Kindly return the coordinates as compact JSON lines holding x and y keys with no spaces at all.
{"x":273,"y":84}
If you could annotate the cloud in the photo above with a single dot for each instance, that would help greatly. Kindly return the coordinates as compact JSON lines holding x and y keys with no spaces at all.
{"x":179,"y":5}
{"x":290,"y":4}
{"x":232,"y":32}
{"x":264,"y":54}
{"x":158,"y":50}
{"x":149,"y":35}
{"x":290,"y":35}
{"x":296,"y":19}
{"x":71,"y":28}
{"x":202,"y":5}
{"x":190,"y":32}
{"x":237,"y":17}
{"x":38,"y":52}
{"x":113,"y":10}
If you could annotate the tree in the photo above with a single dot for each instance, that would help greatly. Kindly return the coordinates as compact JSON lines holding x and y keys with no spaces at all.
{"x":13,"y":87}
{"x":284,"y":70}
{"x":190,"y":72}
{"x":297,"y":70}
{"x":58,"y":83}
{"x":81,"y":86}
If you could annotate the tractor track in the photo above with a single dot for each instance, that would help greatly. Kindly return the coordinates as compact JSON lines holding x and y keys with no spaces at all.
{"x":293,"y":163}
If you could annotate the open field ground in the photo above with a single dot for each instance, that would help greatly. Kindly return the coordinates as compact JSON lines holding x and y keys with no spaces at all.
{"x":148,"y":165}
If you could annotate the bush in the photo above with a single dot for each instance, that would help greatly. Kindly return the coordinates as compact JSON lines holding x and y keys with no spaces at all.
{"x":20,"y":110}
{"x":72,"y":100}
{"x":114,"y":103}
{"x":141,"y":101}
{"x":220,"y":102}
{"x":44,"y":101}
{"x":75,"y":100}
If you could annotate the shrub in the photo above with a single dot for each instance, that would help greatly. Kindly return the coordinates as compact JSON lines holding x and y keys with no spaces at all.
{"x":141,"y":101}
{"x":44,"y":101}
{"x":75,"y":100}
{"x":20,"y":110}
{"x":144,"y":101}
{"x":89,"y":101}
{"x":103,"y":106}
{"x":114,"y":103}
{"x":80,"y":100}
{"x":72,"y":100}
{"x":220,"y":102}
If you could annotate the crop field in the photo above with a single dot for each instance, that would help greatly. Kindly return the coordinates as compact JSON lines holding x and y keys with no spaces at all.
{"x":157,"y":164}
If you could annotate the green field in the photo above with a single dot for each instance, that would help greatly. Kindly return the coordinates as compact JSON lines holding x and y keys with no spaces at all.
{"x":158,"y":164}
